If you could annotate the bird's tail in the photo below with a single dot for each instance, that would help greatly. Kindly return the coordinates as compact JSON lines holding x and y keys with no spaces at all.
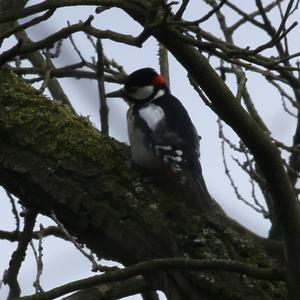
{"x":196,"y":195}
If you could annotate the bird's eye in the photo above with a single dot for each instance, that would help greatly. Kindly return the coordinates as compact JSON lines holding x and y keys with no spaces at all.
{"x":132,"y":89}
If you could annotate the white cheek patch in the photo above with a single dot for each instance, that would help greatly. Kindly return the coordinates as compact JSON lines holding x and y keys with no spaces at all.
{"x":160,"y":93}
{"x":142,"y":92}
{"x":152,"y":115}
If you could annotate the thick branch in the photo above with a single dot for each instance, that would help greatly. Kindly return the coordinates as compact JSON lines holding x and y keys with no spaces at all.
{"x":114,"y":290}
{"x":158,"y":265}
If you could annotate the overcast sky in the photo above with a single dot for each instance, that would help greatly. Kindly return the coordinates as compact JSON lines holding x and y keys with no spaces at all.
{"x":61,"y":262}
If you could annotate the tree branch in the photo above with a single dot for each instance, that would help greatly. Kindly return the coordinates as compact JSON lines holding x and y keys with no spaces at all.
{"x":10,"y":276}
{"x":113,"y":290}
{"x":144,"y":268}
{"x":25,"y":48}
{"x":15,"y":236}
{"x":26,"y":25}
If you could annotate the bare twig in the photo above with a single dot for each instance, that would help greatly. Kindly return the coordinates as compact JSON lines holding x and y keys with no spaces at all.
{"x":286,"y":109}
{"x":181,"y":9}
{"x":89,"y":256}
{"x":249,"y":17}
{"x":228,"y":174}
{"x":39,"y":260}
{"x":14,"y":210}
{"x":47,"y":71}
{"x":23,"y":48}
{"x":77,"y":50}
{"x":200,"y":92}
{"x":164,"y":63}
{"x":104,"y":110}
{"x":210,"y":13}
{"x":275,"y":39}
{"x":26,"y":25}
{"x":241,"y":83}
{"x":10,"y":276}
{"x":38,"y":62}
{"x":15,"y":236}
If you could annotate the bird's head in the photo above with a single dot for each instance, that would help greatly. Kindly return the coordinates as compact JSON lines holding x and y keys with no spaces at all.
{"x":140,"y":86}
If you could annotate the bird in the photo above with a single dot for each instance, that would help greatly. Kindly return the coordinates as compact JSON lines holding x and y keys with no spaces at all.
{"x":162,"y":137}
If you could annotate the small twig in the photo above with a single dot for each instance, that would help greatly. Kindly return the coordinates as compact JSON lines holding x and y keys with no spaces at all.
{"x":226,"y":140}
{"x":38,"y":62}
{"x":287,"y":58}
{"x":243,"y":93}
{"x":101,"y":9}
{"x":282,"y":16}
{"x":28,"y":24}
{"x":200,"y":92}
{"x":76,"y":48}
{"x":241,"y":83}
{"x":25,"y":48}
{"x":164,"y":63}
{"x":254,"y":197}
{"x":248,"y":17}
{"x":14,"y":211}
{"x":104,"y":110}
{"x":286,"y":109}
{"x":181,"y":10}
{"x":291,"y":149}
{"x":227,"y":171}
{"x":57,"y":50}
{"x":89,"y":256}
{"x":11,"y":274}
{"x":285,"y":95}
{"x":291,"y":169}
{"x":14,"y":236}
{"x":210,"y":13}
{"x":275,"y":39}
{"x":253,"y":177}
{"x":39,"y":260}
{"x":47,"y":74}
{"x":90,"y":38}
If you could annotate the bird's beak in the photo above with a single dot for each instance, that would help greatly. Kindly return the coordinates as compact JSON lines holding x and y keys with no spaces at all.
{"x":116,"y":94}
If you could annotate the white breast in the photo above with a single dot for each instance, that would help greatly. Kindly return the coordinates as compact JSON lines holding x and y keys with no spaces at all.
{"x":152,"y":115}
{"x":141,"y":154}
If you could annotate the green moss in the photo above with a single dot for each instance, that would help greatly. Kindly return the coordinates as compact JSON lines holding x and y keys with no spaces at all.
{"x":58,"y":132}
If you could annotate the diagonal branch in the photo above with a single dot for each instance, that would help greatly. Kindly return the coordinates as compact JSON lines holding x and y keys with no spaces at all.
{"x":25,"y":48}
{"x":26,"y":25}
{"x":53,"y":4}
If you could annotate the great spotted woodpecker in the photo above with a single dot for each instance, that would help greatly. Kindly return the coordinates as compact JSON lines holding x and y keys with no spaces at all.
{"x":162,"y":137}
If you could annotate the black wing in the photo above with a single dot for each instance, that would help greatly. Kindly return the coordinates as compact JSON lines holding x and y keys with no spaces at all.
{"x":176,"y":142}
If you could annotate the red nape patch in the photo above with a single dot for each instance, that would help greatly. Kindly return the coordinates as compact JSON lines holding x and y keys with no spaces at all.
{"x":158,"y":80}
